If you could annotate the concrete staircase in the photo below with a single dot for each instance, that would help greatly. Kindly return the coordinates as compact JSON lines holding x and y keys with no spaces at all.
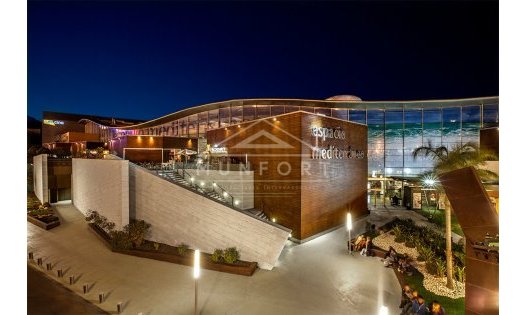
{"x":174,"y":177}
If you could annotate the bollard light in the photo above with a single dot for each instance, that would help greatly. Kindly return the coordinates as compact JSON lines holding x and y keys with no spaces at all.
{"x":197,"y":272}
{"x":349,"y":221}
{"x":196,"y":264}
{"x":349,"y":228}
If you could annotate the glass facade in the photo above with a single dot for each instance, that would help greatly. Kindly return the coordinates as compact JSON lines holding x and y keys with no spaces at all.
{"x":395,"y":129}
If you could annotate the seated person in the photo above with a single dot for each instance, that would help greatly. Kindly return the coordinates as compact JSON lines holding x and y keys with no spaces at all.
{"x":366,"y":250}
{"x":436,"y":308}
{"x":390,"y":258}
{"x":408,"y":307}
{"x":356,"y":243}
{"x":406,"y":296}
{"x":403,"y":265}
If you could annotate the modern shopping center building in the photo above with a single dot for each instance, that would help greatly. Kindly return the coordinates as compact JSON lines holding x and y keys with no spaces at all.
{"x":296,"y":166}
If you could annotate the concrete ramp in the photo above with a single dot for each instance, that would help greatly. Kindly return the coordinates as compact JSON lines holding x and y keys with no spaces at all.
{"x":179,"y":215}
{"x":477,"y":216}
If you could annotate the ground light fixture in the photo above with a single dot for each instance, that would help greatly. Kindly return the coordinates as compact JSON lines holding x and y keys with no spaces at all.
{"x":197,"y":272}
{"x":383,"y":311}
{"x":349,"y":228}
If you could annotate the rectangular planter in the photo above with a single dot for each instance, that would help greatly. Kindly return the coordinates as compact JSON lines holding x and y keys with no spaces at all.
{"x":244,"y":268}
{"x":43,"y":225}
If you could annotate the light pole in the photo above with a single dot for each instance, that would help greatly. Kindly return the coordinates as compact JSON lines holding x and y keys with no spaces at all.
{"x":196,"y":275}
{"x":349,"y":228}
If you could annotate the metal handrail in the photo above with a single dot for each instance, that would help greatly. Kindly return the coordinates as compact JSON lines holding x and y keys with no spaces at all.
{"x":222,"y":192}
{"x":227,"y":205}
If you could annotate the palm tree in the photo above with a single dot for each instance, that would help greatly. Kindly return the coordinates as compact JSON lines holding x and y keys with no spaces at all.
{"x":446,"y":160}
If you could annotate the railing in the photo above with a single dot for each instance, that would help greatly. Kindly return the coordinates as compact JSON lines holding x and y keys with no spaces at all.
{"x":209,"y":197}
{"x":213,"y":167}
{"x":229,"y":198}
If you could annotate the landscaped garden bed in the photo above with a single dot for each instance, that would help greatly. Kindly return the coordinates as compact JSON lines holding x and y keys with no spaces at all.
{"x":41,"y":215}
{"x":426,"y":248}
{"x":131,"y":242}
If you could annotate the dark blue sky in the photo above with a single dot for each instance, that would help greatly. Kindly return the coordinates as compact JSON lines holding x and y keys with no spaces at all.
{"x":146,"y":59}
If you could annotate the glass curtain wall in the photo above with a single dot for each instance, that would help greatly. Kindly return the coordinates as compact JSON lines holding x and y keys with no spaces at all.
{"x":394,"y":130}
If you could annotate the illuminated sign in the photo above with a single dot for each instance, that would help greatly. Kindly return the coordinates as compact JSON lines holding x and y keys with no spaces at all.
{"x":220,"y":150}
{"x":328,"y":133}
{"x":335,"y":153}
{"x":53,"y":122}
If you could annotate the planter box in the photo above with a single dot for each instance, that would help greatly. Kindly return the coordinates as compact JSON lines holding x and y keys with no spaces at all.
{"x":43,"y":225}
{"x":242,"y":268}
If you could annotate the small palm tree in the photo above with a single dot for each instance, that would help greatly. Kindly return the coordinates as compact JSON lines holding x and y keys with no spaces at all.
{"x":446,"y":160}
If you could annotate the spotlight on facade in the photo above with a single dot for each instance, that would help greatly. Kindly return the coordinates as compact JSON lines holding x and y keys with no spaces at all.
{"x":383,"y":311}
{"x":225,"y":194}
{"x":239,"y":126}
{"x":275,"y":119}
{"x":202,"y":184}
{"x":236,"y":202}
{"x":192,"y":179}
{"x":214,"y":184}
{"x":274,"y":220}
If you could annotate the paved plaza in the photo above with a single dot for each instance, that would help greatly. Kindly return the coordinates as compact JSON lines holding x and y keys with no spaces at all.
{"x":317,"y":277}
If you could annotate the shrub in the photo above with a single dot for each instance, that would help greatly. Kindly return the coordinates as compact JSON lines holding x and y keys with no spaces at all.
{"x":460,"y":273}
{"x":460,"y":258}
{"x":137,"y":230}
{"x":397,"y":232}
{"x":156,"y":245}
{"x":431,"y":267}
{"x":120,"y":240}
{"x":182,"y":249}
{"x":217,"y":256}
{"x":410,"y":240}
{"x":440,"y":267}
{"x":399,"y":239}
{"x":426,"y":253}
{"x":231,"y":255}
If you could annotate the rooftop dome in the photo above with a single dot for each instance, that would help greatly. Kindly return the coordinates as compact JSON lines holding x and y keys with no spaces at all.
{"x":344,"y":98}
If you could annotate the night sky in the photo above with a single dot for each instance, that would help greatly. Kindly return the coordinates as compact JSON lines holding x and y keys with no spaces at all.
{"x":143,"y":60}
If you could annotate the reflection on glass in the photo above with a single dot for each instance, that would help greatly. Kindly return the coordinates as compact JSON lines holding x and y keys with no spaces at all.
{"x":249,"y":112}
{"x":277,"y":110}
{"x":491,"y":115}
{"x":192,"y":125}
{"x":340,"y":113}
{"x":237,"y":114}
{"x":290,"y":109}
{"x":470,"y":124}
{"x":394,"y":141}
{"x":357,"y":116}
{"x":224,"y":116}
{"x":375,"y":123}
{"x":323,"y":111}
{"x":263,"y":111}
{"x":213,"y":119}
{"x":451,"y":126}
{"x":203,"y":122}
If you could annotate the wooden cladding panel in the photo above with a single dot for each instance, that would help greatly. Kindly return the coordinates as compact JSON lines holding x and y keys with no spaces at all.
{"x":289,"y":185}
